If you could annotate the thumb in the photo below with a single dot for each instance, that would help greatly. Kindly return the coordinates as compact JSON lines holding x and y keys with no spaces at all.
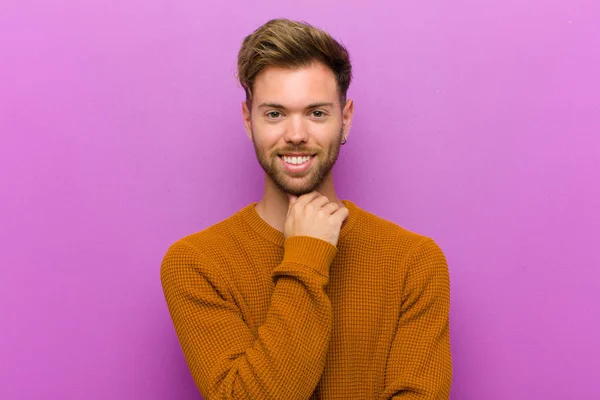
{"x":292,"y":199}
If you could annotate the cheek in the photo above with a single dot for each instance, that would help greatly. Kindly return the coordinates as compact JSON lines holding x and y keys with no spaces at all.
{"x":266,"y":141}
{"x":326,"y":136}
{"x":267,"y":134}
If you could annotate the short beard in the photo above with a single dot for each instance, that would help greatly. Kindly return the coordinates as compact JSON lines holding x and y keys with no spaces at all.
{"x":312,"y":179}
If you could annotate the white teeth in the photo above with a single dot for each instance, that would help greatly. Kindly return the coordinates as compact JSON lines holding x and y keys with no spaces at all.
{"x":296,"y":160}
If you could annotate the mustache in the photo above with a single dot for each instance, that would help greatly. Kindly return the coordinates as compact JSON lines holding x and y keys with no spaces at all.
{"x":297,"y":150}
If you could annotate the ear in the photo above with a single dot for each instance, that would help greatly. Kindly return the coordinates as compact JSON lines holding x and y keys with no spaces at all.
{"x":347,"y":114}
{"x":247,"y":119}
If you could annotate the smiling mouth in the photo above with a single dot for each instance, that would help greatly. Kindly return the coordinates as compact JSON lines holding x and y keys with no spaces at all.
{"x":295,"y":160}
{"x":296,"y":165}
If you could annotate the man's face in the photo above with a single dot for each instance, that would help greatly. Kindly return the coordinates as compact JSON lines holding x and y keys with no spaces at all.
{"x":297,"y":111}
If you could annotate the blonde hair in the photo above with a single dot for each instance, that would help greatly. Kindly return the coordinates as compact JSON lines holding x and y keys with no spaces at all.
{"x":291,"y":44}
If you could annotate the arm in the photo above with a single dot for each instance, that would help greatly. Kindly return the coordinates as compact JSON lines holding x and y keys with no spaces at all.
{"x":420,"y":365}
{"x":285,"y":359}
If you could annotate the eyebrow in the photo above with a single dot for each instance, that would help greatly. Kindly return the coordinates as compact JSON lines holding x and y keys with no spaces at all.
{"x":281,"y":107}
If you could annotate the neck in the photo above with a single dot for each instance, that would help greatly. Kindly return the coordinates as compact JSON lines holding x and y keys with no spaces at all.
{"x":273,"y":206}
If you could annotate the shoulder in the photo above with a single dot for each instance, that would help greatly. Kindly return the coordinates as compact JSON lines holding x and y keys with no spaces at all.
{"x":202,"y":251}
{"x":391,"y":235}
{"x":420,"y":262}
{"x":411,"y":250}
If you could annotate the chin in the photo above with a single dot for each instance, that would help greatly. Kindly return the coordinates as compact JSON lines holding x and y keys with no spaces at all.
{"x":302,"y":186}
{"x":298,"y":193}
{"x":295,"y":190}
{"x":295,"y":186}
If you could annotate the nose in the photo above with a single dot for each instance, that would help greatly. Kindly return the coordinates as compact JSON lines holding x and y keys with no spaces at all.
{"x":296,"y":130}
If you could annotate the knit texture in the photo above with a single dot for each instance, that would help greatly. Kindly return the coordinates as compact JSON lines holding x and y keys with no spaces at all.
{"x":259,"y":316}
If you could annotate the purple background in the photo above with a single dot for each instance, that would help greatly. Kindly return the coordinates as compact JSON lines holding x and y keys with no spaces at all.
{"x":477,"y":123}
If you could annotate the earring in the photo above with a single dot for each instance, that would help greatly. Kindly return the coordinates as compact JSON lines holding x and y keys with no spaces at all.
{"x":343,"y":142}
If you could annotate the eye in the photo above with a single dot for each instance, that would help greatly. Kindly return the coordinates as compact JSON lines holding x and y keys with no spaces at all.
{"x":318,"y":114}
{"x":273,"y":114}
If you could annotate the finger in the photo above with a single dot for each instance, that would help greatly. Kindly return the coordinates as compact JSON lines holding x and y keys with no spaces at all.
{"x":319,"y":202}
{"x":306,"y":198}
{"x":341,"y":214}
{"x":292,"y":199}
{"x":331,"y":207}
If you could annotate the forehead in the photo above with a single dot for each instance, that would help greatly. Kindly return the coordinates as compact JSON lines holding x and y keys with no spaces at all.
{"x":296,"y":87}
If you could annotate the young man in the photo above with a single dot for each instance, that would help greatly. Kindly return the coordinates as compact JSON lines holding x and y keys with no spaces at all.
{"x":301,"y":295}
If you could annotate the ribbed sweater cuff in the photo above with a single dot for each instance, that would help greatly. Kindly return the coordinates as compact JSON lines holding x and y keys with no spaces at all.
{"x":307,"y":250}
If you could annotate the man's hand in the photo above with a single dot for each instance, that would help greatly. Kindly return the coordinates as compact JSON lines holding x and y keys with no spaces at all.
{"x":312,"y":214}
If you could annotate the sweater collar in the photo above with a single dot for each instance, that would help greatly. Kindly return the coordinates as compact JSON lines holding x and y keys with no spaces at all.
{"x":260,"y":226}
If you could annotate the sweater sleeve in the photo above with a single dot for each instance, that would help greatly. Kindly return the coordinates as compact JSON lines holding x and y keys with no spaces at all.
{"x":419,"y":366}
{"x":286,"y":357}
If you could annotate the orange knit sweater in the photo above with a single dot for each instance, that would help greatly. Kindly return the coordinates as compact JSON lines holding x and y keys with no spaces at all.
{"x":263,"y":317}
